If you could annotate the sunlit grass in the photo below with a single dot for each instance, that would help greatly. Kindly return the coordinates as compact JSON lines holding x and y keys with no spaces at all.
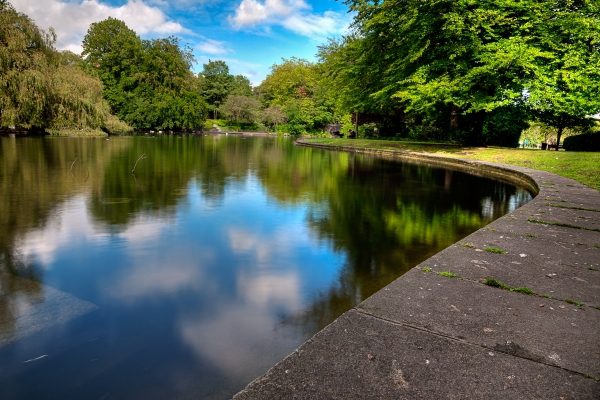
{"x":580,"y":166}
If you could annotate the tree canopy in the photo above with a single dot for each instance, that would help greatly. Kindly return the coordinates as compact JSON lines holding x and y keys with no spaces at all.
{"x":40,"y":87}
{"x":464,"y":59}
{"x":148,"y":83}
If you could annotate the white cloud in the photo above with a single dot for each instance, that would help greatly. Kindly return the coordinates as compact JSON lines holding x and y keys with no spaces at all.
{"x":71,"y":222}
{"x":71,"y":19}
{"x":210,"y":46}
{"x":256,"y":311}
{"x":293,"y":15}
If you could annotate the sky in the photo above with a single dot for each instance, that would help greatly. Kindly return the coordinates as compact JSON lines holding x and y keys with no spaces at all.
{"x":250,"y":35}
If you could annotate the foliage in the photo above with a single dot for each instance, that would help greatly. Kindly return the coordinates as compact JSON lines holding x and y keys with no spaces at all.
{"x":586,"y":142}
{"x":566,"y":89}
{"x":273,"y":116}
{"x":240,"y":86}
{"x":449,"y":64}
{"x":148,"y":83}
{"x":114,"y":126}
{"x":215,"y":82}
{"x":77,"y":100}
{"x":504,"y":125}
{"x":292,"y":86}
{"x":41,"y":87}
{"x":26,"y":61}
{"x":240,"y":108}
{"x":73,"y":132}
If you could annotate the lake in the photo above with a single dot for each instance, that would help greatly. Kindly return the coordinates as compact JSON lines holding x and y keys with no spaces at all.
{"x":185,"y":267}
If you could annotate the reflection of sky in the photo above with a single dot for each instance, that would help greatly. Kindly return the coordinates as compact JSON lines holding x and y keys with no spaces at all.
{"x":218,"y":280}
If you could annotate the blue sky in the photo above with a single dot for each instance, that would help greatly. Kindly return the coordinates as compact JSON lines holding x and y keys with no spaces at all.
{"x":250,"y":35}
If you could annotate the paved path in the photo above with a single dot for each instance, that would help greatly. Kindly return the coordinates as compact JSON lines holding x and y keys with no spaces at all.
{"x":441,"y":331}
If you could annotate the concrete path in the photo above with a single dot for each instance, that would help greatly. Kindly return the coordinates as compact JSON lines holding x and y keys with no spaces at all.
{"x":510,"y":312}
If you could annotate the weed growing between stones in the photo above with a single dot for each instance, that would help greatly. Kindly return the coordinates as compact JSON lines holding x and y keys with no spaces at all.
{"x":495,"y":250}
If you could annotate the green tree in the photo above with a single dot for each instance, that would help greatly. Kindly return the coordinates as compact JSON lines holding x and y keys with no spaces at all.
{"x":42,"y":88}
{"x":26,"y":63}
{"x":115,"y":52}
{"x":147,"y":83}
{"x":464,"y":59}
{"x":215,"y":82}
{"x":76,"y":100}
{"x":273,"y":116}
{"x":241,"y":108}
{"x":241,"y":86}
{"x":293,"y":86}
{"x":566,"y":92}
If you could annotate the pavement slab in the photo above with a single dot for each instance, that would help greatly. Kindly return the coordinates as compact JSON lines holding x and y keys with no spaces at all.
{"x":362,"y":357}
{"x":500,"y":320}
{"x":544,"y":273}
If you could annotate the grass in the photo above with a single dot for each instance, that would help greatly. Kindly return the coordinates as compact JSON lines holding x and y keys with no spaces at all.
{"x":427,"y":269}
{"x":77,"y":132}
{"x":525,"y":290}
{"x":495,"y":283}
{"x":574,"y":302}
{"x":501,"y":285}
{"x":580,"y":166}
{"x":495,"y":250}
{"x":537,"y":221}
{"x":447,"y":274}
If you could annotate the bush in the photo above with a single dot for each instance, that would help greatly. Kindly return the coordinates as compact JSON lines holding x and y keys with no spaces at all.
{"x":114,"y":126}
{"x":503,"y":126}
{"x":586,"y":142}
{"x":369,"y":129}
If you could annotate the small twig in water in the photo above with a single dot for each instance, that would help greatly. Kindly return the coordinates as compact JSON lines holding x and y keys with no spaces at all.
{"x":136,"y":162}
{"x":35,"y":359}
{"x":73,"y":163}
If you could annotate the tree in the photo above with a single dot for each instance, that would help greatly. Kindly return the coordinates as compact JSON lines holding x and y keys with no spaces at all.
{"x":241,"y":108}
{"x":241,"y":86}
{"x":292,"y":86}
{"x":148,"y":83}
{"x":467,"y":58}
{"x":273,"y":116}
{"x":215,"y":82}
{"x":42,"y":88}
{"x":26,"y":63}
{"x":115,"y":52}
{"x":76,"y":100}
{"x":566,"y":94}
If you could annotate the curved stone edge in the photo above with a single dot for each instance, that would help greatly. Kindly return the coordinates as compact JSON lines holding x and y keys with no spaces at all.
{"x":474,"y":339}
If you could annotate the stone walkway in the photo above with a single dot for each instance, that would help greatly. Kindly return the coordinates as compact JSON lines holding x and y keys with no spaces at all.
{"x":509,"y":312}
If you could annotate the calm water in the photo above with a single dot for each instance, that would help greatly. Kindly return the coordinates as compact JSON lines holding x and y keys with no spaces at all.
{"x":217,"y":257}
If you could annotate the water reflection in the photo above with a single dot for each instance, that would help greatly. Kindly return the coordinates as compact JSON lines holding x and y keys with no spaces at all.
{"x":213,"y":260}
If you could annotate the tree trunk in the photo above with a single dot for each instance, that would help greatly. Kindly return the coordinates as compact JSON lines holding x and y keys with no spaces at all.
{"x":477,"y":135}
{"x":558,"y":134}
{"x":454,"y":117}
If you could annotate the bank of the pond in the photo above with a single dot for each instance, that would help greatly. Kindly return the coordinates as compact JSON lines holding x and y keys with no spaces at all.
{"x":580,"y":166}
{"x":511,"y":311}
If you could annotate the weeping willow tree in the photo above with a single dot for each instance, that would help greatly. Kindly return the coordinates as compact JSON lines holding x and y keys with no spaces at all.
{"x":41,"y":88}
{"x":77,"y":101}
{"x":26,"y":62}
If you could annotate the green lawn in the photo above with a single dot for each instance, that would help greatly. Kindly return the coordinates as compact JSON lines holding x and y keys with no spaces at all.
{"x":583,"y":167}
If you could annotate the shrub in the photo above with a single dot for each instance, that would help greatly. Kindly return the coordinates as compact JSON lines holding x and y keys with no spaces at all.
{"x":586,"y":142}
{"x":114,"y":126}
